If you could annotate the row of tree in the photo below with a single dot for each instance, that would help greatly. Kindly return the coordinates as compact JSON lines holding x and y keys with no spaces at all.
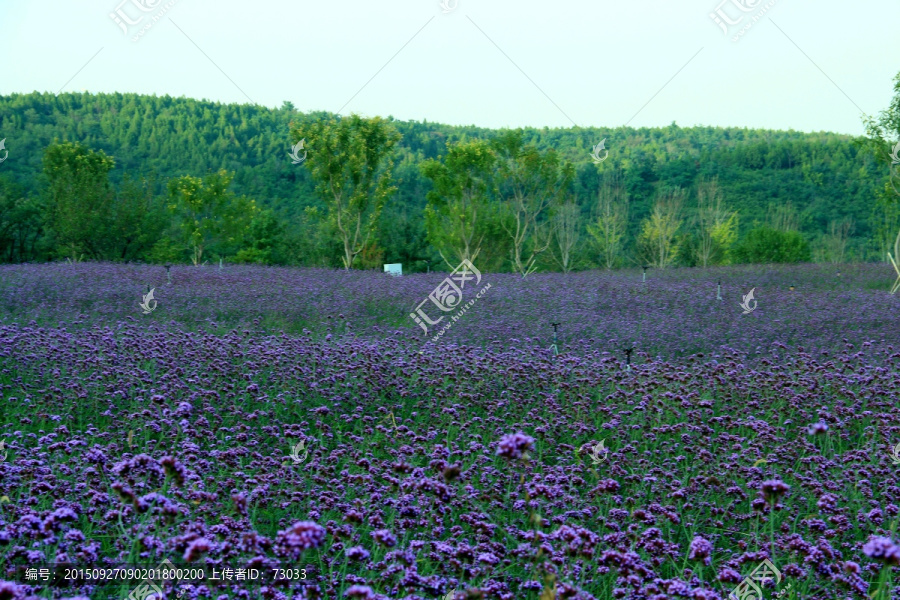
{"x":502,"y":197}
{"x":509,"y":200}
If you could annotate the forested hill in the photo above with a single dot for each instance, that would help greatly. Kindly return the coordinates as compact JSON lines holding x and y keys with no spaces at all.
{"x":826,"y":176}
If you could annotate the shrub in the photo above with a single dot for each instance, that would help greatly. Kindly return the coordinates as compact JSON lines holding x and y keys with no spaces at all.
{"x":766,"y":245}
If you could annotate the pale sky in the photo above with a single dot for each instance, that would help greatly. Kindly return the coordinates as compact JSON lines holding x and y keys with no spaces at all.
{"x":807,"y":66}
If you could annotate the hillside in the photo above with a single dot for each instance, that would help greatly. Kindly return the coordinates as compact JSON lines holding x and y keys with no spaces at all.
{"x":828,"y":177}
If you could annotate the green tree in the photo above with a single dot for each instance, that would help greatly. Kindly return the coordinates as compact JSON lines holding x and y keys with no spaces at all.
{"x":766,"y":245}
{"x":532,"y":181}
{"x":79,"y":200}
{"x":658,"y":232}
{"x":566,"y":224}
{"x":263,"y":240}
{"x":138,"y":220}
{"x":20,"y":223}
{"x":881,"y":129}
{"x":459,"y":211}
{"x":716,"y":225}
{"x":885,"y":127}
{"x":833,"y":245}
{"x":349,"y":161}
{"x":611,"y":223}
{"x":208,"y":214}
{"x":885,"y":222}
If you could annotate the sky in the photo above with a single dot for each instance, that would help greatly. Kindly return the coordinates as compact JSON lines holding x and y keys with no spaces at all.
{"x":806,"y":66}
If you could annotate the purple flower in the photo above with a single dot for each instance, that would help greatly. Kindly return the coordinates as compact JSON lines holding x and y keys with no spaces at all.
{"x":357,"y":553}
{"x":301,"y":536}
{"x":700,"y":549}
{"x":196,"y":548}
{"x":363,"y":592}
{"x":513,"y":446}
{"x":774,"y":489}
{"x":883,"y":550}
{"x":817,"y":428}
{"x":385,"y":538}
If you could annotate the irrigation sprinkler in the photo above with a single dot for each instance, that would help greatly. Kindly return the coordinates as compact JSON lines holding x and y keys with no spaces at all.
{"x":554,"y":346}
{"x":719,"y":291}
{"x":220,"y":264}
{"x":168,"y":274}
{"x":628,"y":352}
{"x":644,"y":267}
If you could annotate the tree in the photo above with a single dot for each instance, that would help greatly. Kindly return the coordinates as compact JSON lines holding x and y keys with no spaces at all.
{"x":658,"y":232}
{"x":834,"y":243}
{"x":208,"y":214}
{"x":885,"y":221}
{"x":566,"y":232}
{"x":79,"y":199}
{"x":884,"y":127}
{"x":349,"y":160}
{"x":20,"y":223}
{"x":766,"y":245}
{"x":611,"y":223}
{"x":783,"y":217}
{"x":532,"y":181}
{"x":716,"y":226}
{"x":138,"y":220}
{"x":458,"y":213}
{"x":887,"y":126}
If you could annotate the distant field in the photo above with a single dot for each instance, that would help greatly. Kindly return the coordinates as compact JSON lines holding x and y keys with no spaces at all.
{"x":674,"y":314}
{"x":474,"y":463}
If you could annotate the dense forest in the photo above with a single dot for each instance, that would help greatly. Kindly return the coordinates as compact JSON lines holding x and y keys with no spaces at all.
{"x":127,"y":177}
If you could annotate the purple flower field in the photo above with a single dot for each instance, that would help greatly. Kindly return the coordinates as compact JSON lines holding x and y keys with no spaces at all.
{"x":482,"y":464}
